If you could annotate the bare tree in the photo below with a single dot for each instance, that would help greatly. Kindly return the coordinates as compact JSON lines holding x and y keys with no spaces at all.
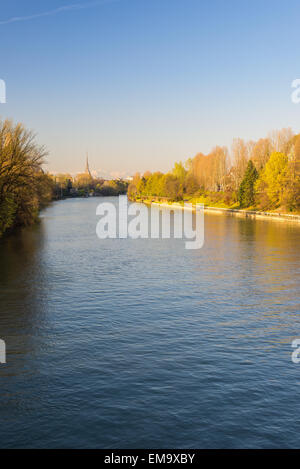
{"x":240,"y":157}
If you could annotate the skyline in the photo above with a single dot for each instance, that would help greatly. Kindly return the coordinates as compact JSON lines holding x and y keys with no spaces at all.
{"x":140,"y":85}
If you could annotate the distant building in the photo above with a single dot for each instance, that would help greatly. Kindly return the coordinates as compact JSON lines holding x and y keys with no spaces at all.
{"x":87,"y":168}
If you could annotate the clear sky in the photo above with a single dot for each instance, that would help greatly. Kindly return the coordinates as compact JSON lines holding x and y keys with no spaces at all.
{"x":140,"y":84}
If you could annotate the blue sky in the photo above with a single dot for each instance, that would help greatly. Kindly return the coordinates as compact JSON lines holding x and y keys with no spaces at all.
{"x":140,"y":84}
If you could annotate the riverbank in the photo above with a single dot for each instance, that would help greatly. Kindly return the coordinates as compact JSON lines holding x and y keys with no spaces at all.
{"x":285,"y":217}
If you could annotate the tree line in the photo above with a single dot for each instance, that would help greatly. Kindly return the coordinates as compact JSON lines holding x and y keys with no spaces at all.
{"x":25,"y":188}
{"x":263,"y":175}
{"x":84,"y":185}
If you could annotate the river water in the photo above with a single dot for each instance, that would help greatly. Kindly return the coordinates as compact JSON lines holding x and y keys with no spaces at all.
{"x":145,"y":344}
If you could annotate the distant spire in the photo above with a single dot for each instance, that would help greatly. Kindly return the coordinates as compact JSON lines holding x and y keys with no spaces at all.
{"x":87,"y":168}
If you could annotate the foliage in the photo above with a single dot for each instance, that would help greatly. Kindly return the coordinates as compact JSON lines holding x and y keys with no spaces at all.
{"x":84,"y":185}
{"x":263,"y":175}
{"x":246,"y":193}
{"x":24,"y":187}
{"x":273,"y":178}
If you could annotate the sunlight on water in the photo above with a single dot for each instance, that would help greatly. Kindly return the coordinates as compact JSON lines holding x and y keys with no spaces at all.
{"x":142,"y":343}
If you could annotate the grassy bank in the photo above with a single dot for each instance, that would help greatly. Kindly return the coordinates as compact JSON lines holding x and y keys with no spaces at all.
{"x":220,"y":207}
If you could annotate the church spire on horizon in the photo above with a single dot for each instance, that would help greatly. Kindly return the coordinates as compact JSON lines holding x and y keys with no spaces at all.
{"x":87,"y":168}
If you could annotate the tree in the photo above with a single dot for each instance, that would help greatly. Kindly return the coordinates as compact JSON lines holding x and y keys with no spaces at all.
{"x":281,"y":140}
{"x":273,"y":178}
{"x":154,"y":184}
{"x":191,"y":186}
{"x":218,"y":167}
{"x":292,"y":187}
{"x":179,"y":172}
{"x":261,"y":153}
{"x":246,"y":193}
{"x":291,"y":196}
{"x":209,"y":171}
{"x":171,"y":187}
{"x":24,"y":187}
{"x":83,"y":180}
{"x":240,"y":160}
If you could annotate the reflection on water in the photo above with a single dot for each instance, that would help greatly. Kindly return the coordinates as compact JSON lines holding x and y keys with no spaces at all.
{"x":22,"y":295}
{"x":142,"y":343}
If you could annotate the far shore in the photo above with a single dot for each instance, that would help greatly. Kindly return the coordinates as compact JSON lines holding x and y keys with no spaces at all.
{"x":284,"y":217}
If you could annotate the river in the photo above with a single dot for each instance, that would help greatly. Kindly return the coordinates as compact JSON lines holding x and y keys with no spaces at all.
{"x":126,"y":343}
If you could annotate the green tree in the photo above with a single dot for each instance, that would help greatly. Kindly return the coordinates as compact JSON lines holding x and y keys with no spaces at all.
{"x":246,"y":193}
